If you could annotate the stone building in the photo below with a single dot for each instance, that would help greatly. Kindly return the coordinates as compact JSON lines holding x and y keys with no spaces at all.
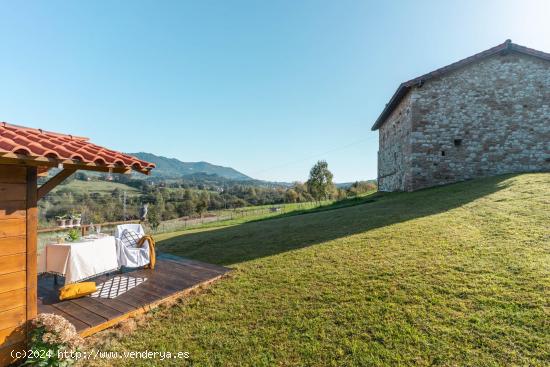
{"x":485,"y":115}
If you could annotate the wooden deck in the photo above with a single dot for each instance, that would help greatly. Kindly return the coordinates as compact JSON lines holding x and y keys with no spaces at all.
{"x":122,"y":295}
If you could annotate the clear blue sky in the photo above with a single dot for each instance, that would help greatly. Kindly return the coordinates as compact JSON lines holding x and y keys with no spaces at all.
{"x":266,"y":87}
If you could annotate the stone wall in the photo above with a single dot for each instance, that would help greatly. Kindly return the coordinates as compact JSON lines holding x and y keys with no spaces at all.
{"x":394,"y":155}
{"x":489,"y":118}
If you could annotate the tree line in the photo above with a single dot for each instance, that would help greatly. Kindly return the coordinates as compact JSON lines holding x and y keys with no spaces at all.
{"x":180,"y":198}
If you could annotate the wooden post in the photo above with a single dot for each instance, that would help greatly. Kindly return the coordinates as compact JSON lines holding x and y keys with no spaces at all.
{"x":32,"y":227}
{"x":54,"y":181}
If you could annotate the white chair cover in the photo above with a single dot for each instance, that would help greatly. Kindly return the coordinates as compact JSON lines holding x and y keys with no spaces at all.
{"x":131,"y":257}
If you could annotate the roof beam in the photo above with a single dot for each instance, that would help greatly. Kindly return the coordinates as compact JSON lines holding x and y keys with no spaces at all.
{"x":50,"y":162}
{"x":54,"y":181}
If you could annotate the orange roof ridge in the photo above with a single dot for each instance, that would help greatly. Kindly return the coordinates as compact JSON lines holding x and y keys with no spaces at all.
{"x":7,"y":124}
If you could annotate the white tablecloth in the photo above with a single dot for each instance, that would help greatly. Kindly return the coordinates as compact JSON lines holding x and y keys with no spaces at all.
{"x":83,"y":259}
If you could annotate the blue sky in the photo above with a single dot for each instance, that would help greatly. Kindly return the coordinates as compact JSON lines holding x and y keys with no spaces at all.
{"x":266,"y":87}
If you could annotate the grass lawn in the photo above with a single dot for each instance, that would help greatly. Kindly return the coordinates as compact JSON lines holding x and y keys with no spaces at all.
{"x":451,"y":276}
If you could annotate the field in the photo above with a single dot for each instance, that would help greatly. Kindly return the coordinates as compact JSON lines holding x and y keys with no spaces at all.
{"x":229,"y":217}
{"x":102,"y":187}
{"x":451,"y":276}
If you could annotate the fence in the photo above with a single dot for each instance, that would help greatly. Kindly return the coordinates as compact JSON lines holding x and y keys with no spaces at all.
{"x":51,"y":234}
{"x":184,"y":223}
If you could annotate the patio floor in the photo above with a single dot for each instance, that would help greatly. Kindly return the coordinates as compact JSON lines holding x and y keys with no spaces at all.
{"x":121,"y":295}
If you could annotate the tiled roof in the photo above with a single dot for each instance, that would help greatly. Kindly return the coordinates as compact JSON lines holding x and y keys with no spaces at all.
{"x":404,"y":88}
{"x":45,"y":148}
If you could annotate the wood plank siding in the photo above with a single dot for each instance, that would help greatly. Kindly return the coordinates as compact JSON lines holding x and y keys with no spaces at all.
{"x":23,"y":294}
{"x":14,"y":259}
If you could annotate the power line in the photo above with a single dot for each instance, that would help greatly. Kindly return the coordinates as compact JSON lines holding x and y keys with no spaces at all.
{"x":310,"y":157}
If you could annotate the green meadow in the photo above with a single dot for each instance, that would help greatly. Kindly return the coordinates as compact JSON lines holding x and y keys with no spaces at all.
{"x":450,"y":276}
{"x":101,"y":187}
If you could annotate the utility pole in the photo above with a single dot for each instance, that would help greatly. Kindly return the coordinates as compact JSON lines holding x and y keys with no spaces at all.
{"x":124,"y":206}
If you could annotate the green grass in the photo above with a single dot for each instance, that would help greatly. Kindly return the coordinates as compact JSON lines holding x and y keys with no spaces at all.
{"x":102,"y":187}
{"x":231,"y":217}
{"x":450,"y":276}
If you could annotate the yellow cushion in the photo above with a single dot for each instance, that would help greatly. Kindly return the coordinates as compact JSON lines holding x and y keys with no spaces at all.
{"x":76,"y":290}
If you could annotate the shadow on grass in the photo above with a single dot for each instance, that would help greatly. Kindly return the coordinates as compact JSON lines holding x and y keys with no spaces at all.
{"x":290,"y":231}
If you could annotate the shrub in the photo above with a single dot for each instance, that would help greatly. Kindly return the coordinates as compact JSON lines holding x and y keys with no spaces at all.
{"x":52,"y":335}
{"x":73,"y":235}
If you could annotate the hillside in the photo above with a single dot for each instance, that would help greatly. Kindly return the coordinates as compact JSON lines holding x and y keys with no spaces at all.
{"x":174,"y":168}
{"x":449,"y":276}
{"x":101,"y":187}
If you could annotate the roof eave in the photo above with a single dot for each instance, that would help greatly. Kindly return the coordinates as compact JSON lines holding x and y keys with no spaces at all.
{"x":505,"y":47}
{"x":394,"y":101}
{"x":21,"y":159}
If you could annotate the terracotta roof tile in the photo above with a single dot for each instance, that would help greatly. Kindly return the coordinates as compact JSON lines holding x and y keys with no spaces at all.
{"x":28,"y":143}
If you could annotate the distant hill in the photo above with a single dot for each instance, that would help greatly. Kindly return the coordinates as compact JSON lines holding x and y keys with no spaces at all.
{"x":101,"y":187}
{"x":174,"y":168}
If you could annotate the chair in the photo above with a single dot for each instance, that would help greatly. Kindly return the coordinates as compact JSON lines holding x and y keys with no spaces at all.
{"x":130,"y":256}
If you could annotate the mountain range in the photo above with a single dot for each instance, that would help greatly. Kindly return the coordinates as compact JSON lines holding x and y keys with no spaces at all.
{"x":174,"y":168}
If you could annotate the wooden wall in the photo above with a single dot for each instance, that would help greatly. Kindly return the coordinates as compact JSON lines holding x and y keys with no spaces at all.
{"x":18,"y":222}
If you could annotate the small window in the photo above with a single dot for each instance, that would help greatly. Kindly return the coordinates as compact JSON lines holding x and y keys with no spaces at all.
{"x":443,"y":153}
{"x":458,"y":142}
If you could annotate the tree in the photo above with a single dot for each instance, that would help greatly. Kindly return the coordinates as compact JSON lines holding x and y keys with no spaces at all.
{"x":301,"y":189}
{"x":186,"y":208}
{"x":361,"y":187}
{"x":320,"y":184}
{"x":341,"y":194}
{"x":187,"y":195}
{"x":202,"y":203}
{"x":291,"y":196}
{"x":153,"y":217}
{"x":159,"y":203}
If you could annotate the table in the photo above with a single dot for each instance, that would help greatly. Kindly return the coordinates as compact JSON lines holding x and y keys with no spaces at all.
{"x":83,"y":259}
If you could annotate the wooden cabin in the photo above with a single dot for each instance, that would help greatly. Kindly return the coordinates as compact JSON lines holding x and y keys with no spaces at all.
{"x":25,"y":154}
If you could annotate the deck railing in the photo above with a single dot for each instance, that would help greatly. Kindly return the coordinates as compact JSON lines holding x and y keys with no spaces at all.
{"x":52,"y":234}
{"x":84,"y":227}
